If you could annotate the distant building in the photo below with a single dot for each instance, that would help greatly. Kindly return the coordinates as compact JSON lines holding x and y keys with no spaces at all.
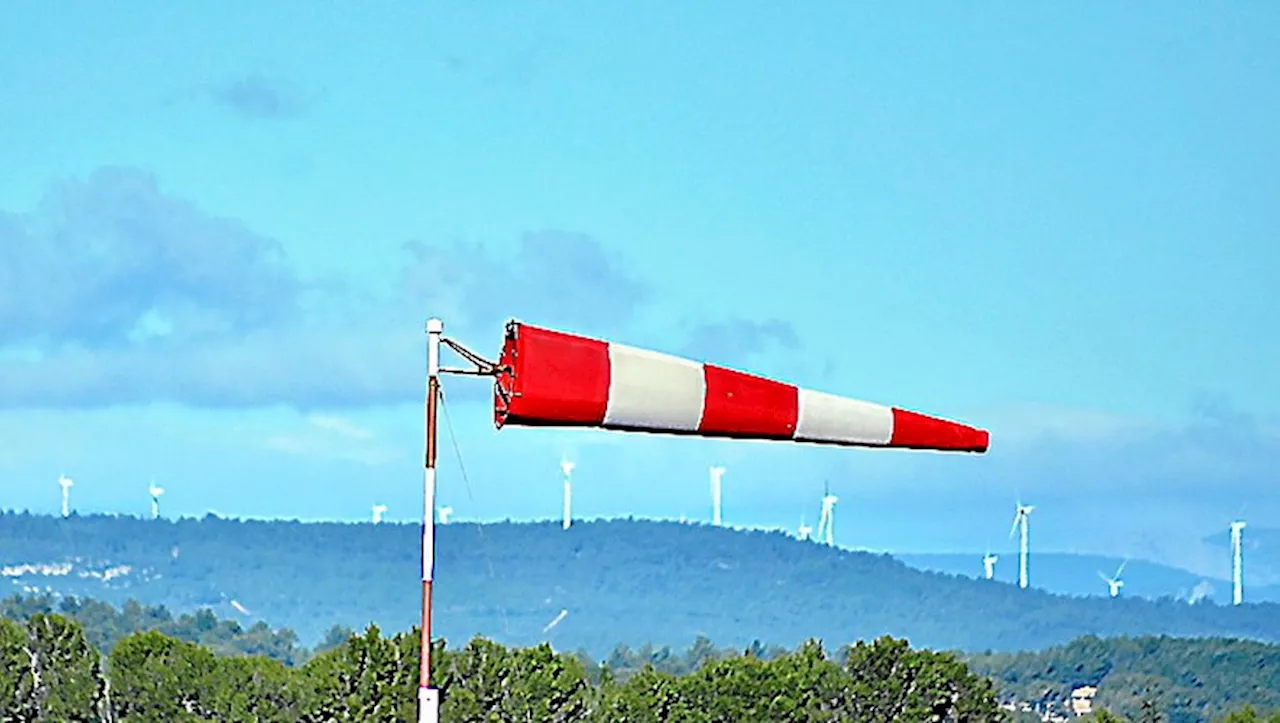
{"x":1082,"y":699}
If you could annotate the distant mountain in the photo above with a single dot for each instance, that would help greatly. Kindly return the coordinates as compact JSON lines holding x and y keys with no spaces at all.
{"x":1261,"y":547}
{"x":623,"y":581}
{"x":1074,"y":574}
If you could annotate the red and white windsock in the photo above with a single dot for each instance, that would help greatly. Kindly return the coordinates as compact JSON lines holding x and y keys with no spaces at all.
{"x":554,"y":379}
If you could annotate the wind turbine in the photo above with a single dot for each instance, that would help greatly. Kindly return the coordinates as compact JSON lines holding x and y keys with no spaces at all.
{"x":567,"y":467}
{"x":805,"y":530}
{"x":1114,"y":582}
{"x":1020,"y":519}
{"x":1237,"y":563}
{"x":66,"y":484}
{"x":445,"y":513}
{"x":989,"y":565}
{"x":826,"y":523}
{"x":717,"y":473}
{"x":155,"y":499}
{"x":378,"y":511}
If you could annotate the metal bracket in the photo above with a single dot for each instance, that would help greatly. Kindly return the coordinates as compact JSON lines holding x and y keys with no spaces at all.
{"x":481,"y":367}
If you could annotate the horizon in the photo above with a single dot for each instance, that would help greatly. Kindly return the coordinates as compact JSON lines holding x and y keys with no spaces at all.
{"x":1053,"y":224}
{"x":1064,"y":574}
{"x":556,"y":521}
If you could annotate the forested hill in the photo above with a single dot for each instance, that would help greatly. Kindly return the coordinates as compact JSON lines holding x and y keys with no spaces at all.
{"x":624,"y":581}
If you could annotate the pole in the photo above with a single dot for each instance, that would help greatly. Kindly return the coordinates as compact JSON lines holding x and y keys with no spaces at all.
{"x":567,"y":467}
{"x":1024,"y":551}
{"x":1237,"y":564}
{"x":428,"y":697}
{"x":831,"y":524}
{"x":568,"y":503}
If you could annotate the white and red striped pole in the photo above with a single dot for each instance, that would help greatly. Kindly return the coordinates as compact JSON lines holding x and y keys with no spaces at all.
{"x":428,"y":697}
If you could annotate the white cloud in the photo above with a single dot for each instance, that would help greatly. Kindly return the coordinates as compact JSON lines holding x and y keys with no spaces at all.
{"x":339,"y":425}
{"x":327,"y":436}
{"x":1027,"y":422}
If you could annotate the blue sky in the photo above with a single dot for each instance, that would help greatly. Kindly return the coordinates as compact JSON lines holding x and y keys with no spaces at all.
{"x":221,"y":227}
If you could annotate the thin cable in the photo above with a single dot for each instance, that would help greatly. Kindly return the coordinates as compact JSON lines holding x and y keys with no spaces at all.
{"x":484,"y":543}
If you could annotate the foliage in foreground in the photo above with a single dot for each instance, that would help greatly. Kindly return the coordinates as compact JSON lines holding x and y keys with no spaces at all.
{"x":1183,"y":679}
{"x":49,"y":670}
{"x":1138,"y":679}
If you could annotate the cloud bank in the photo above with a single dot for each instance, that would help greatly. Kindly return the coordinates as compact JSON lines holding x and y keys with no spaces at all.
{"x":258,"y":97}
{"x":114,"y":292}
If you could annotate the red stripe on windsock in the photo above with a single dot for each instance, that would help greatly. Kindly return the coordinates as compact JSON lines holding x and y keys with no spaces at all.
{"x":551,"y":378}
{"x":918,"y":431}
{"x":743,"y":405}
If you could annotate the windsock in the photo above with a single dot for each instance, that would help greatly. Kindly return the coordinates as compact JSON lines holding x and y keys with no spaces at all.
{"x":551,"y":378}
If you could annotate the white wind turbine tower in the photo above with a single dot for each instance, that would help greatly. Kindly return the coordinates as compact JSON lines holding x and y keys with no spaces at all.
{"x":66,"y":484}
{"x":567,"y":467}
{"x":989,"y":565}
{"x":1114,"y":583}
{"x":1020,"y":519}
{"x":717,"y":474}
{"x":1237,"y":563}
{"x":155,"y":493}
{"x":378,"y":511}
{"x":826,"y":523}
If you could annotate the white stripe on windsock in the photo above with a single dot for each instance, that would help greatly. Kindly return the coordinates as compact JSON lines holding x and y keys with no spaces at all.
{"x":652,"y":390}
{"x":828,"y":418}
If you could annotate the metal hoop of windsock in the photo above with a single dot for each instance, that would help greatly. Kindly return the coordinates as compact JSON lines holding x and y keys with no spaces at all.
{"x":548,"y":378}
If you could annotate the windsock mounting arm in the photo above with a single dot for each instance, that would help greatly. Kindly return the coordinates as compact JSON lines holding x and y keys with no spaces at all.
{"x":481,"y":367}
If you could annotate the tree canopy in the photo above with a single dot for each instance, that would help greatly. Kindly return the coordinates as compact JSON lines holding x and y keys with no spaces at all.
{"x":52,"y":672}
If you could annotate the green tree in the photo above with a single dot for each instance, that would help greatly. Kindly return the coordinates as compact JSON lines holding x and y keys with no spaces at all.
{"x":487,"y":681}
{"x":333,"y":637}
{"x":368,"y":678}
{"x":67,"y":670}
{"x":1248,"y":714}
{"x":648,"y":696}
{"x":254,"y":689}
{"x":892,"y":682}
{"x":815,"y":687}
{"x":159,"y":679}
{"x":17,"y":679}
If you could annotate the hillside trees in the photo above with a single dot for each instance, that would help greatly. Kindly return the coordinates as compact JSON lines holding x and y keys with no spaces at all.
{"x":52,"y":672}
{"x":1187,"y":679}
{"x":623,"y":581}
{"x":104,"y":626}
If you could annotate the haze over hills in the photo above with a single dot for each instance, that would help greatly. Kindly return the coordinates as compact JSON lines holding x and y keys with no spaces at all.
{"x":1066,"y":573}
{"x":620,"y":581}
